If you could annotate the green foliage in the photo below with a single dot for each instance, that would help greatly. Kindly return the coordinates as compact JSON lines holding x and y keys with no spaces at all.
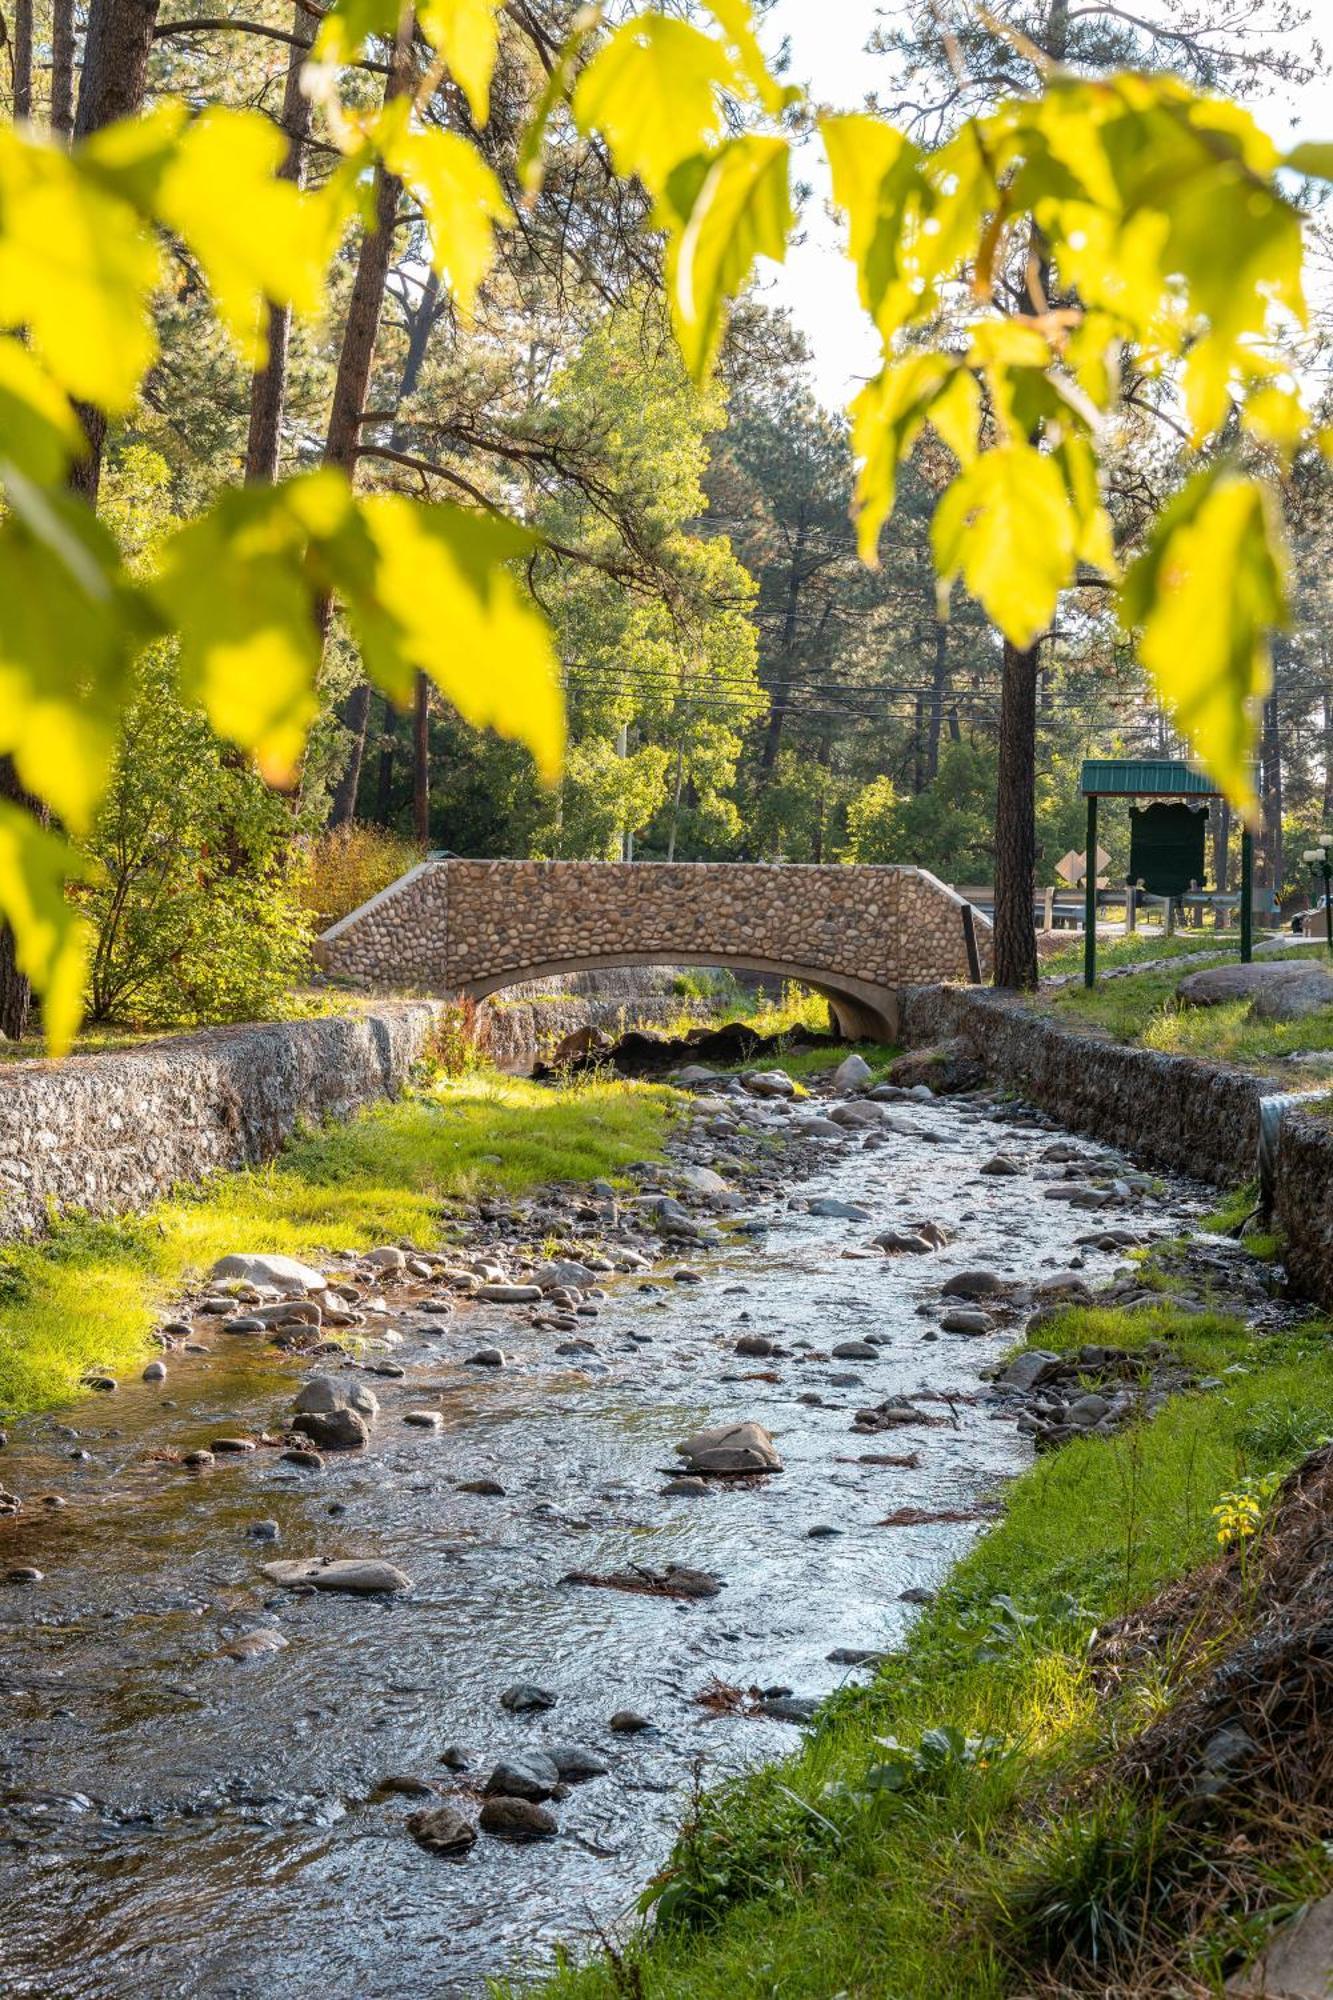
{"x":195,"y":906}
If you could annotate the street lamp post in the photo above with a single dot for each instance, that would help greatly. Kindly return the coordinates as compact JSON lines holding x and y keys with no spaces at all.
{"x":1320,"y":859}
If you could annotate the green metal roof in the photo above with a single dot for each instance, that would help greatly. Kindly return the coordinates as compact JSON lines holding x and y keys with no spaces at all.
{"x":1133,"y":777}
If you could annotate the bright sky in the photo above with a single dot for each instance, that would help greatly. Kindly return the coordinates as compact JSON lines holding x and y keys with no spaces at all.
{"x":828,"y":39}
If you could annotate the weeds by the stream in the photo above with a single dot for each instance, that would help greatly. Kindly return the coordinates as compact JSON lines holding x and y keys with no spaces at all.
{"x":85,"y":1297}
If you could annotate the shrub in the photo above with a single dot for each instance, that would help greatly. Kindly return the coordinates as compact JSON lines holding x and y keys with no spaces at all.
{"x":348,"y":865}
{"x":195,"y":909}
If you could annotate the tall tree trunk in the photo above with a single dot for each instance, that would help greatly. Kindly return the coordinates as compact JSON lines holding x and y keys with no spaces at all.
{"x":62,"y":67}
{"x":268,"y":388}
{"x":388,"y":746}
{"x":421,"y":759}
{"x":1326,"y":814}
{"x":349,"y":401}
{"x":939,"y":683}
{"x":1222,"y":847}
{"x":21,"y":56}
{"x":15,"y":992}
{"x":1015,"y":822}
{"x":918,"y":744}
{"x":115,"y":77}
{"x":1016,"y":800}
{"x":1271,"y":871}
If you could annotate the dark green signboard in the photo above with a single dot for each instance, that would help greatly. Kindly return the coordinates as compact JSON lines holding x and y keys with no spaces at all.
{"x":1166,"y":851}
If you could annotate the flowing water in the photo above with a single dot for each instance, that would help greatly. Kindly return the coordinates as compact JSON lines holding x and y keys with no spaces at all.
{"x":175,"y":1822}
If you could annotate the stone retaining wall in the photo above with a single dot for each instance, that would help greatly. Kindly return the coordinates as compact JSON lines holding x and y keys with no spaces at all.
{"x":1167,"y":1111}
{"x":113,"y":1133}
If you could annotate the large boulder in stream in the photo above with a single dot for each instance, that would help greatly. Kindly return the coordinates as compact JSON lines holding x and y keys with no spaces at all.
{"x":360,"y":1576}
{"x":284,"y":1274}
{"x":731,"y":1449}
{"x":325,"y":1393}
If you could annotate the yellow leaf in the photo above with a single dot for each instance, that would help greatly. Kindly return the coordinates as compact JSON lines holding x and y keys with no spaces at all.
{"x":445,"y":603}
{"x":233,"y":585}
{"x":737,"y":23}
{"x":654,"y":92}
{"x":877,"y":183}
{"x":461,"y":197}
{"x":956,"y":414}
{"x":1313,"y":157}
{"x":1008,"y":526}
{"x":50,"y":938}
{"x":887,"y":417}
{"x":77,"y":269}
{"x":39,"y":432}
{"x":1205,"y":595}
{"x":1277,"y":415}
{"x":66,"y":640}
{"x":721,"y":211}
{"x":257,"y":237}
{"x":467,"y":34}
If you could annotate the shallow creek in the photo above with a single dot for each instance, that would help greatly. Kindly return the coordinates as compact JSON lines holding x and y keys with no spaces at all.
{"x":173,"y":1821}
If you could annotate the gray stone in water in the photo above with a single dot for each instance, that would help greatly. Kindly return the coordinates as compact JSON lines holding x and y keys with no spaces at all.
{"x":1000,"y":1164}
{"x":487,"y":1357}
{"x":965,"y":1319}
{"x":843,"y":1211}
{"x":325,"y":1394}
{"x":517,"y":1819}
{"x":628,"y":1722}
{"x":757,"y":1345}
{"x":902,"y":1242}
{"x":562,"y":1272}
{"x":525,"y":1698}
{"x":361,"y":1576}
{"x":973,"y":1285}
{"x":854,"y":1350}
{"x":442,"y":1830}
{"x":731,"y":1448}
{"x":285,"y":1274}
{"x":576,"y":1761}
{"x":790,"y":1708}
{"x":853,"y":1073}
{"x":509,"y":1295}
{"x":686,"y":1487}
{"x":333,"y":1430}
{"x":156,"y":1371}
{"x":387,"y":1258}
{"x":424,"y":1420}
{"x":530,"y":1776}
{"x":1027,"y":1370}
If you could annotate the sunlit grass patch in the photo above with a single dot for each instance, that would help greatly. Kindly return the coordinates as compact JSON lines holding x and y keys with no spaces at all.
{"x":86,"y":1297}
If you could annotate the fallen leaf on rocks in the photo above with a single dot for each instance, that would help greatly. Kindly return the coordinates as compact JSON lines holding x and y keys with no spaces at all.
{"x":674,"y":1581}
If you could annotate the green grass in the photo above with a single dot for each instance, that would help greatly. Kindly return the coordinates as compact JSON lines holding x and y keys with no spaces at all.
{"x":86,"y":1296}
{"x":949,"y":1870}
{"x":1143,"y":1010}
{"x":1138,"y":947}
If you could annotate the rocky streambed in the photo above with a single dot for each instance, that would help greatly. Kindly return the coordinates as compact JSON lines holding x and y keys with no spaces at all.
{"x":374,"y":1641}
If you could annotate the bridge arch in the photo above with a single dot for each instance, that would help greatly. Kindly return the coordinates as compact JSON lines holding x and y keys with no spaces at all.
{"x":856,"y":934}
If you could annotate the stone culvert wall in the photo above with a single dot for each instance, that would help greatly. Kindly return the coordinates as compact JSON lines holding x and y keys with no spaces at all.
{"x":475,"y":926}
{"x":1167,"y":1111}
{"x":113,"y":1133}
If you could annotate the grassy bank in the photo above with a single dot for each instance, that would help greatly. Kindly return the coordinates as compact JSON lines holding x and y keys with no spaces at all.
{"x":965,"y":1826}
{"x":1142,"y":1009}
{"x":86,"y":1296}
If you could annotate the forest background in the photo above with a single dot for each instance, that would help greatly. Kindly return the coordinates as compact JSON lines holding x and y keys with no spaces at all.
{"x":738,"y":684}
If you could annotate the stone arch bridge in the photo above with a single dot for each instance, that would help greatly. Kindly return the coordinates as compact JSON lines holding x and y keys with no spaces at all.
{"x":856,"y":934}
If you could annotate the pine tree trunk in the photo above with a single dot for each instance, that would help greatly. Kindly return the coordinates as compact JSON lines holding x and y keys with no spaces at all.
{"x":388,"y":746}
{"x":1222,"y":847}
{"x":15,"y":992}
{"x":350,"y":389}
{"x":62,"y":67}
{"x":939,"y":682}
{"x":115,"y":76}
{"x":22,"y":59}
{"x":421,"y":760}
{"x":268,"y":388}
{"x":1015,"y":824}
{"x":1270,"y":873}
